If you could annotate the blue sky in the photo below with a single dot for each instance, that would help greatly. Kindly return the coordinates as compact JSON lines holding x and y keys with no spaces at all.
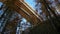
{"x":1,"y":11}
{"x":1,"y":4}
{"x":31,"y":3}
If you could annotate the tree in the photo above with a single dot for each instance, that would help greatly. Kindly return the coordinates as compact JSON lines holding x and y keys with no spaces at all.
{"x":10,"y":24}
{"x":52,"y":20}
{"x":6,"y":17}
